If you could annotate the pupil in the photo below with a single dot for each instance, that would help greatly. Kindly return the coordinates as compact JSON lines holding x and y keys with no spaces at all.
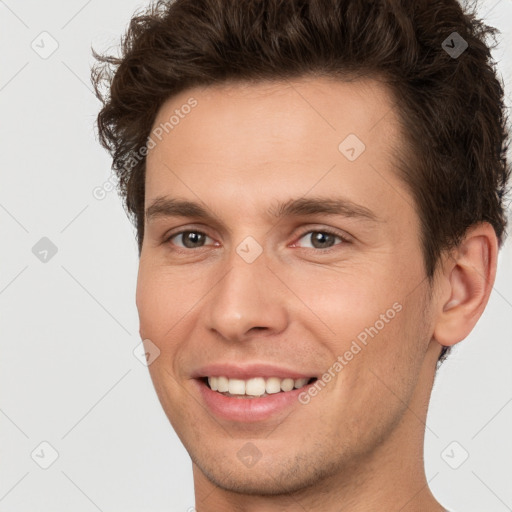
{"x":321,"y":237}
{"x":192,"y":237}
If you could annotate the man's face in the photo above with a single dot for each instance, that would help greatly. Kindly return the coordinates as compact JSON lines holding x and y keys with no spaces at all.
{"x":246,"y":294}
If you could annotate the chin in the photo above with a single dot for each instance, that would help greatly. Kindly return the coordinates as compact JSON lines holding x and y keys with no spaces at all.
{"x":290,"y":476}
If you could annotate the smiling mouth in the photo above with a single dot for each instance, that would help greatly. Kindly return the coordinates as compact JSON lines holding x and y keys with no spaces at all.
{"x":257,"y":387}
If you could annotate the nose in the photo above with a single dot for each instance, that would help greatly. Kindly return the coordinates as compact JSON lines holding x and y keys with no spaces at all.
{"x":249,"y":298}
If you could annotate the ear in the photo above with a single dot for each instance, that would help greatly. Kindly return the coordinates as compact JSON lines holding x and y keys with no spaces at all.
{"x":467,"y":277}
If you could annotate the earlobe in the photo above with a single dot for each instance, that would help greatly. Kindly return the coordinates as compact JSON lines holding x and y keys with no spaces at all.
{"x":468,"y":274}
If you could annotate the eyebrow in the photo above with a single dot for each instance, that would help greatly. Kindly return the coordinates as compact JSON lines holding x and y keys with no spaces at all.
{"x":171,"y":207}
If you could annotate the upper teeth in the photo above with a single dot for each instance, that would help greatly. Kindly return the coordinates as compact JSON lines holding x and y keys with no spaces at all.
{"x":256,"y":386}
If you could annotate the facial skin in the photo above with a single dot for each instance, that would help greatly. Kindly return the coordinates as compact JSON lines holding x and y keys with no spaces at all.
{"x":358,"y":444}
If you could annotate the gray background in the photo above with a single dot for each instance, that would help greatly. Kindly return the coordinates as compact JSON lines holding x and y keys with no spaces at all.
{"x":69,"y":324}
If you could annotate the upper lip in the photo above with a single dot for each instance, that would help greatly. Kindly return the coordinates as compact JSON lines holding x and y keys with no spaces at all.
{"x":247,"y":371}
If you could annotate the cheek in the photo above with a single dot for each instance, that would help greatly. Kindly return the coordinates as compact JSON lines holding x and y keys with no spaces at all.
{"x":160,"y":309}
{"x":347,"y":300}
{"x":162,"y":299}
{"x":166,"y":303}
{"x":387,"y":368}
{"x":373,"y":322}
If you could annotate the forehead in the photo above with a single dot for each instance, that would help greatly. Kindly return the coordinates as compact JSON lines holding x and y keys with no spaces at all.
{"x":275,"y":140}
{"x":264,"y":115}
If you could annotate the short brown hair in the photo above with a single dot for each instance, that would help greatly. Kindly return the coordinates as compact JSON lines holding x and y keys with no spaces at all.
{"x":451,"y":108}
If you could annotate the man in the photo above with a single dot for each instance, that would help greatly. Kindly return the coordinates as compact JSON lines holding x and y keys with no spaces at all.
{"x":318,"y":190}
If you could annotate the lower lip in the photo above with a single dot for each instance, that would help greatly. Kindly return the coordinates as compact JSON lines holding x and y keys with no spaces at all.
{"x":248,"y":410}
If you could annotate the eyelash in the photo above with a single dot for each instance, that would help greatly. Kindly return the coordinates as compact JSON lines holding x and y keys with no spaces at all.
{"x":343,"y":239}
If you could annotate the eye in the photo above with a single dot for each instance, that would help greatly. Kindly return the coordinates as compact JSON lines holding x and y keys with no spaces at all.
{"x":322,"y":239}
{"x":319,"y":239}
{"x":190,"y":239}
